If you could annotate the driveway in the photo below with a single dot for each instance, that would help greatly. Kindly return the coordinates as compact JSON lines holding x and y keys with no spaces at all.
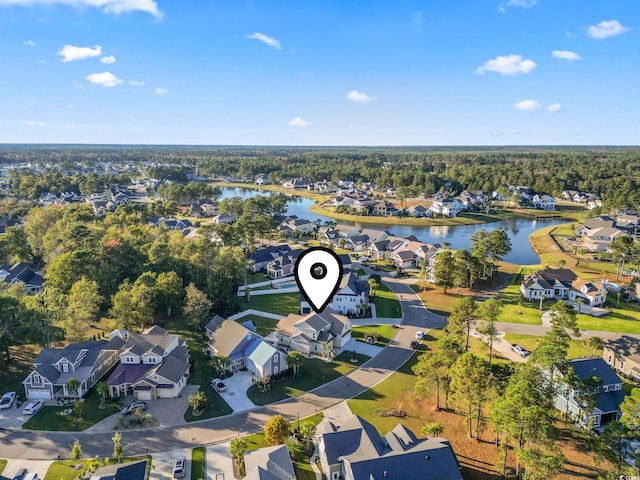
{"x":236,"y":393}
{"x":12,"y":418}
{"x":38,"y":466}
{"x":218,"y":463}
{"x":162,"y":464}
{"x":362,"y":348}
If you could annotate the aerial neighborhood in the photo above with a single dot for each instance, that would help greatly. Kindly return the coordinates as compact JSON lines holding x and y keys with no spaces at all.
{"x":151,"y":314}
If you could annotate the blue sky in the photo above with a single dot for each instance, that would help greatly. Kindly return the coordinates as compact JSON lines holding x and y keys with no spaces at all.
{"x":437,"y":72}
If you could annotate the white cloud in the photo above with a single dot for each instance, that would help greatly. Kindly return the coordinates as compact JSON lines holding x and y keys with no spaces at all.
{"x":298,"y":122}
{"x":360,"y":97}
{"x":69,"y":53}
{"x":105,"y":79}
{"x":527,"y":105}
{"x":108,"y":60}
{"x":516,"y":3}
{"x":554,"y":107}
{"x":566,"y":55}
{"x":272,"y":42}
{"x":161,"y":91}
{"x":507,"y":65}
{"x":108,"y":6}
{"x":29,"y":43}
{"x":606,"y":29}
{"x":136,"y":83}
{"x":32,"y":123}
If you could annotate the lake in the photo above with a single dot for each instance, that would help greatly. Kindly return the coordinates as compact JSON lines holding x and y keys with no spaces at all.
{"x":458,"y":235}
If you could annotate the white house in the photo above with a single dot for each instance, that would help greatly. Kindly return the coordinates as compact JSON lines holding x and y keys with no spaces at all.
{"x":321,"y":333}
{"x":351,"y":296}
{"x":562,"y":284}
{"x":543,"y":201}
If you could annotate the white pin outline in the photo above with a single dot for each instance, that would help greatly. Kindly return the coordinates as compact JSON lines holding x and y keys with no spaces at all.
{"x":335,"y":287}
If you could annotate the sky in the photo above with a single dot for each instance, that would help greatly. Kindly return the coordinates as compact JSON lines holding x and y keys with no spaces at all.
{"x":378,"y":73}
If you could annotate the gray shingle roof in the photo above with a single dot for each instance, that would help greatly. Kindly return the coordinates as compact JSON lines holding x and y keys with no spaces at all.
{"x":585,"y":368}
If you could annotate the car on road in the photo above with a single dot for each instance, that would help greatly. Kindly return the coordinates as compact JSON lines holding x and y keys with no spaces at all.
{"x":7,"y":400}
{"x":20,"y":473}
{"x":375,"y":268}
{"x":33,"y":407}
{"x":415,"y":344}
{"x":217,"y":385}
{"x":419,"y":334}
{"x":523,"y":352}
{"x":178,"y":467}
{"x":138,"y":405}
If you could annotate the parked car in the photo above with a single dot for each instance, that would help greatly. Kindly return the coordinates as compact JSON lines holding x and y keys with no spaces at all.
{"x":375,"y":268}
{"x":33,"y":407}
{"x":419,"y":334}
{"x":32,"y":476}
{"x":134,"y":406}
{"x":217,"y":385}
{"x":7,"y":400}
{"x":415,"y":344}
{"x":178,"y":467}
{"x":523,"y":352}
{"x":19,"y":475}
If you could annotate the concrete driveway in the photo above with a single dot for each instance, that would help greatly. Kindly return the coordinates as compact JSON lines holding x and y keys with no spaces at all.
{"x":362,"y":348}
{"x":236,"y":393}
{"x":218,"y":463}
{"x":162,"y":464}
{"x":12,"y":418}
{"x":38,"y":466}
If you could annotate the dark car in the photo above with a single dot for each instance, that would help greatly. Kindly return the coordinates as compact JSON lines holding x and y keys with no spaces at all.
{"x":375,"y":268}
{"x":415,"y":344}
{"x":19,"y":475}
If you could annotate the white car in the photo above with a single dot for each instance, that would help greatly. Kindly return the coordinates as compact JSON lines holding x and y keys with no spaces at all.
{"x":33,"y":407}
{"x":523,"y":352}
{"x":419,"y":334}
{"x":178,"y":467}
{"x":7,"y":400}
{"x":218,"y":386}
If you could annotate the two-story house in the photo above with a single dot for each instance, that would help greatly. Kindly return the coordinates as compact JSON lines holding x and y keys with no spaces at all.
{"x":356,"y":451}
{"x":54,"y":367}
{"x":543,"y":201}
{"x":351,"y":296}
{"x":284,"y":265}
{"x":321,"y":333}
{"x":623,"y":354}
{"x":573,"y":400}
{"x":246,"y":349}
{"x":153,"y":364}
{"x":25,"y":274}
{"x":259,"y":259}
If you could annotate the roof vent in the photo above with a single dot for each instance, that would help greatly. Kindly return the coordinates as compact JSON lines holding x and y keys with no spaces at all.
{"x":427,"y":458}
{"x":385,"y":473}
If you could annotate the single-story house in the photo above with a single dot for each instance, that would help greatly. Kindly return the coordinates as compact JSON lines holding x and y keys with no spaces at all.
{"x":562,"y":284}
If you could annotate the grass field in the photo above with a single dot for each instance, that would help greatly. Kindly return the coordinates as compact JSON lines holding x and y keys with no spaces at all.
{"x":280,"y":304}
{"x":387,"y":304}
{"x":300,"y":458}
{"x":197,"y":464}
{"x":315,"y":372}
{"x":386,"y":333}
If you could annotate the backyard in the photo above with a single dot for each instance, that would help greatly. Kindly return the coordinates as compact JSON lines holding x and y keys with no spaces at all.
{"x":280,"y":303}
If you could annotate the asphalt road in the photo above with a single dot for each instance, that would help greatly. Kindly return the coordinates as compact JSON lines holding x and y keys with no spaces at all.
{"x":48,"y":445}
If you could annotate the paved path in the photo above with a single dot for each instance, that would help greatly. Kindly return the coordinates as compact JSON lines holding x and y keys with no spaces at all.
{"x":37,"y":445}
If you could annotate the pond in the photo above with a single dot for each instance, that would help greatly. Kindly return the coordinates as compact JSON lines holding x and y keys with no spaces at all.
{"x":458,"y":236}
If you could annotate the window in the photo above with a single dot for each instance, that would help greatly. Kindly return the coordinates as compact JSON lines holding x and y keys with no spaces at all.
{"x":622,"y":366}
{"x":617,"y":386}
{"x":65,"y":367}
{"x":275,"y":358}
{"x":609,"y":359}
{"x":36,"y":378}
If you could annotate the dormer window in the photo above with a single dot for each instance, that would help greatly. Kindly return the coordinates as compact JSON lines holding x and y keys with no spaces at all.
{"x":65,"y":367}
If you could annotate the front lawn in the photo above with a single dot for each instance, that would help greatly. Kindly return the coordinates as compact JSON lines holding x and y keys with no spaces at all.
{"x":197,"y":464}
{"x":216,"y":406}
{"x":517,"y":310}
{"x":51,"y":418}
{"x":387,"y":304}
{"x":384,"y":332}
{"x":531,"y":342}
{"x":315,"y":372}
{"x":3,"y":464}
{"x":65,"y":469}
{"x":278,"y":303}
{"x":301,"y":460}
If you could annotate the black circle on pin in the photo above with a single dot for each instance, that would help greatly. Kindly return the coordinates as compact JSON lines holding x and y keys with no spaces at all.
{"x":321,"y":274}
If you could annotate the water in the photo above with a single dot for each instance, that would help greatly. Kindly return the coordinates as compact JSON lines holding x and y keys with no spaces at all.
{"x":458,"y":235}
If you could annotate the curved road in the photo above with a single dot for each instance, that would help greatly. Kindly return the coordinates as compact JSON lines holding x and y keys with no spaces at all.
{"x":48,"y":445}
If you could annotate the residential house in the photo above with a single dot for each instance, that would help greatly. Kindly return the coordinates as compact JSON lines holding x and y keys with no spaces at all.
{"x":262,"y":179}
{"x":623,"y":354}
{"x":544,"y":202}
{"x":356,"y":451}
{"x":224,"y":218}
{"x":594,"y":203}
{"x":122,"y":471}
{"x":352,"y":295}
{"x":562,"y":284}
{"x":153,"y":364}
{"x":418,"y":211}
{"x":296,"y":183}
{"x":259,"y":259}
{"x":357,"y":243}
{"x":246,"y":349}
{"x":269,"y":463}
{"x":378,"y":250}
{"x":574,"y":400}
{"x":301,"y":226}
{"x":594,"y":223}
{"x":204,"y":208}
{"x":447,"y":207}
{"x":403,"y":258}
{"x":599,"y":239}
{"x":25,"y":274}
{"x":630,"y":222}
{"x":9,"y":222}
{"x":385,"y":209}
{"x":54,"y":367}
{"x":284,"y":265}
{"x":321,"y":333}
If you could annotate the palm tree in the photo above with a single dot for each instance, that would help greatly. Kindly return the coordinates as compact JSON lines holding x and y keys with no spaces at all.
{"x":579,"y":301}
{"x":72,"y":386}
{"x":307,"y":429}
{"x":102,"y":389}
{"x":295,"y":359}
{"x":595,"y":343}
{"x":542,"y":299}
{"x":433,"y":429}
{"x":236,"y":449}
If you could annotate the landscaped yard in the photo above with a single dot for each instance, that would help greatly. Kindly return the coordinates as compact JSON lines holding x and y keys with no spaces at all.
{"x":387,"y":304}
{"x":531,"y":342}
{"x":384,"y":332}
{"x":279,"y":303}
{"x":197,"y":464}
{"x":51,"y":418}
{"x":315,"y":372}
{"x":301,"y":460}
{"x":65,"y":469}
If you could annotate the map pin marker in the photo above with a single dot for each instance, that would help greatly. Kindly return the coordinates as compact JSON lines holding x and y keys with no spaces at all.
{"x":318,"y":273}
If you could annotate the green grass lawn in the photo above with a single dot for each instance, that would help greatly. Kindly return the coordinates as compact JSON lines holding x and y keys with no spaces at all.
{"x":517,"y":310}
{"x":264,"y":325}
{"x":280,"y":303}
{"x":386,"y":333}
{"x":65,"y":469}
{"x":3,"y":464}
{"x":315,"y":372}
{"x":301,"y":460}
{"x":51,"y":418}
{"x":531,"y":342}
{"x":387,"y":304}
{"x":216,"y":406}
{"x":197,"y":464}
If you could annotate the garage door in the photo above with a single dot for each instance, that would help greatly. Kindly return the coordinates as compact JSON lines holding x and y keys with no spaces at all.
{"x":143,"y":394}
{"x":39,"y":394}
